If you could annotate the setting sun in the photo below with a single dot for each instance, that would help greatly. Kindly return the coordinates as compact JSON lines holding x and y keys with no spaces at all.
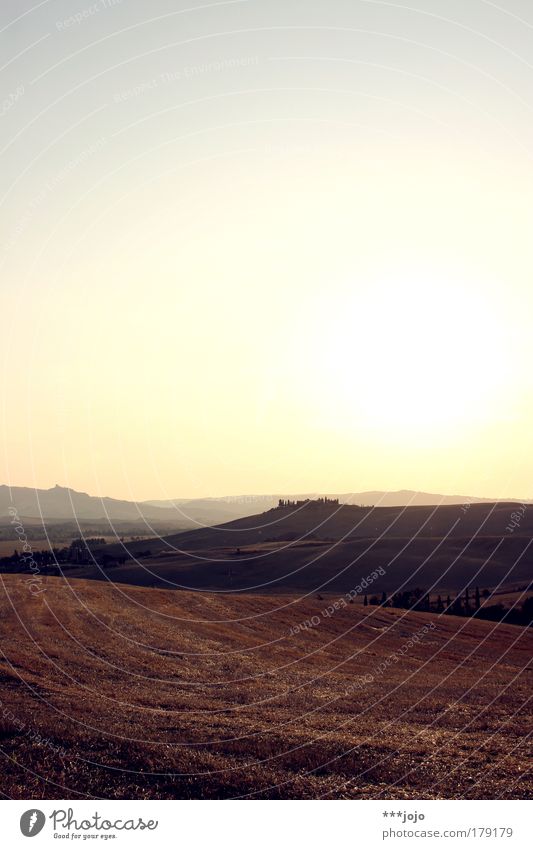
{"x":408,"y":356}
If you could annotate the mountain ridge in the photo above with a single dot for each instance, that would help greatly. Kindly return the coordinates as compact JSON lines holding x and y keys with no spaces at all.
{"x":64,"y":503}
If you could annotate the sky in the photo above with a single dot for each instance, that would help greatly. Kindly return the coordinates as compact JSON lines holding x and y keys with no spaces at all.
{"x":266,"y":246}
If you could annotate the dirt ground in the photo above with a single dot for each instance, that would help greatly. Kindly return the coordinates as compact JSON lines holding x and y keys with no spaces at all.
{"x":127,"y":692}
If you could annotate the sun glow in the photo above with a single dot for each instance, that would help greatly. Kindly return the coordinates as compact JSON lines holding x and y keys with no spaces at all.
{"x":411,"y":353}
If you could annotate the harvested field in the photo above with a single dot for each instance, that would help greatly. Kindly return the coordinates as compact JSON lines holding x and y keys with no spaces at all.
{"x":148,"y":693}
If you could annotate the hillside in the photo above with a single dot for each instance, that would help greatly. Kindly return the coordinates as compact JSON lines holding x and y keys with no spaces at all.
{"x":140,"y":693}
{"x":62,"y":503}
{"x":242,"y":505}
{"x":342,"y":522}
{"x":305,"y":567}
{"x":333,"y":548}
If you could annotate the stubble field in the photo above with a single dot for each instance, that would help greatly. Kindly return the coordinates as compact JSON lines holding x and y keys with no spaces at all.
{"x":146,"y":693}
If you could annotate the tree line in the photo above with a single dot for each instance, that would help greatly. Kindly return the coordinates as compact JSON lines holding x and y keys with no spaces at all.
{"x":464,"y":604}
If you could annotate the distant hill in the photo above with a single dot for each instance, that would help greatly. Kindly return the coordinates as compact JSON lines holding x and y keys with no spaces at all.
{"x":343,"y":521}
{"x":332,"y":547}
{"x":409,"y":498}
{"x":64,"y":504}
{"x":212,"y":511}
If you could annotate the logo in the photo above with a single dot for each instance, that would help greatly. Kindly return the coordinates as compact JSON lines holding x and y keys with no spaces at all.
{"x":32,"y":822}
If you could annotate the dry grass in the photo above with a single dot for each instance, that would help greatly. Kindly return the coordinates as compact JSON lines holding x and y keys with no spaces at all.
{"x":162,"y":694}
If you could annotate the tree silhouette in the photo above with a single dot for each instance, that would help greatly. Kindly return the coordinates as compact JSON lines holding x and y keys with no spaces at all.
{"x":457,"y":608}
{"x":527,"y":611}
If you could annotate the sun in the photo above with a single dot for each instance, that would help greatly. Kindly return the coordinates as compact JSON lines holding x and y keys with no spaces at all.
{"x":407,"y":354}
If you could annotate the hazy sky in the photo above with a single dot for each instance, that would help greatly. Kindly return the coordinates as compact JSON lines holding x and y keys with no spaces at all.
{"x":266,"y":246}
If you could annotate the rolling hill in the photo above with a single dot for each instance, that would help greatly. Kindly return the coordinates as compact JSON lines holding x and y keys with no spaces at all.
{"x":124,"y":692}
{"x":332,"y":549}
{"x":61,"y":503}
{"x":313,"y":521}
